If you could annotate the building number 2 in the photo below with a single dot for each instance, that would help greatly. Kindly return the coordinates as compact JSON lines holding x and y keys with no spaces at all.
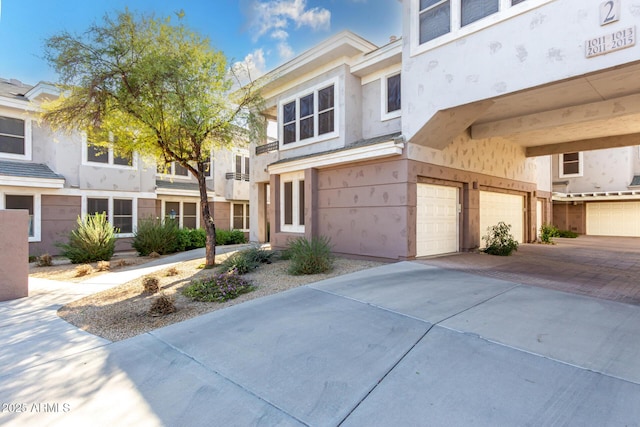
{"x":609,"y":12}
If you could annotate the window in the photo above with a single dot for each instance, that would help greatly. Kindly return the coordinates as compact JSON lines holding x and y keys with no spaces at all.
{"x":171,"y":208}
{"x":123,"y":159}
{"x":190,"y":215}
{"x":107,"y":156}
{"x":174,"y":169}
{"x":292,"y":203}
{"x":309,"y":117}
{"x":240,"y":216}
{"x":473,"y":10}
{"x":571,"y":164}
{"x":15,"y":138}
{"x":515,"y":2}
{"x":240,"y":168}
{"x":435,"y":19}
{"x":121,"y":213}
{"x":97,"y":154}
{"x":23,"y":203}
{"x":391,"y":96}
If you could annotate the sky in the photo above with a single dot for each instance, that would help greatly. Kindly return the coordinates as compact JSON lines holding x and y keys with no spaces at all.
{"x":265,"y":33}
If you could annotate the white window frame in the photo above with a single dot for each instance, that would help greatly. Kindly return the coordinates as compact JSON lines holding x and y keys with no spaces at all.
{"x":27,"y":138}
{"x":180,"y":214}
{"x":316,"y":113}
{"x":561,"y":173}
{"x":37,"y":211}
{"x":295,"y":178}
{"x":111,"y":156}
{"x":245,"y":216}
{"x":505,"y":11}
{"x":110,"y":198}
{"x":384,"y":106}
{"x":171,"y":173}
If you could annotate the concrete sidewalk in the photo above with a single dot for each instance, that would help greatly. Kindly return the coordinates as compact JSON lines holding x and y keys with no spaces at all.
{"x":401,"y":344}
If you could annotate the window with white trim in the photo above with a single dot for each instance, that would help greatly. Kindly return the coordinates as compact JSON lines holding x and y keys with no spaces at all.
{"x":173,"y":169}
{"x":121,"y":212}
{"x":15,"y":138}
{"x":107,"y":156}
{"x":186,"y":213}
{"x":391,"y":96}
{"x":240,"y":216}
{"x":24,"y":202}
{"x":310,"y":117}
{"x":570,"y":164}
{"x":292,"y":203}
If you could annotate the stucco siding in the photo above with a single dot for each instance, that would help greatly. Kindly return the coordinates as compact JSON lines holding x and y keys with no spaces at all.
{"x":372,"y":125}
{"x":603,"y":170}
{"x":58,"y":218}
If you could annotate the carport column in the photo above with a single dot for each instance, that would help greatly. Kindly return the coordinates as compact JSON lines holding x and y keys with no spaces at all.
{"x":470,"y":217}
{"x":310,"y":203}
{"x":531,"y":216}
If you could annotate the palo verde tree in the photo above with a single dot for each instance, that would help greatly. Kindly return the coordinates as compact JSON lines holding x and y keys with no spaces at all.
{"x":139,"y":83}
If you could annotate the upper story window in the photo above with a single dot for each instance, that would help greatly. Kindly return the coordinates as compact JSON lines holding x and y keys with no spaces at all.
{"x":570,"y":164}
{"x":310,"y":117}
{"x":437,"y":18}
{"x":177,"y":170}
{"x":107,"y":156}
{"x":15,"y":138}
{"x":391,"y":96}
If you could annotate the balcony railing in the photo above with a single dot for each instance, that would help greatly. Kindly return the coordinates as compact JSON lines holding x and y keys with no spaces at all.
{"x":237,"y":176}
{"x":272,"y":146}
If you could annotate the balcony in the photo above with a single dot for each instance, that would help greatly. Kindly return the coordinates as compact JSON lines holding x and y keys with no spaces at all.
{"x":236,"y":176}
{"x":266,"y":148}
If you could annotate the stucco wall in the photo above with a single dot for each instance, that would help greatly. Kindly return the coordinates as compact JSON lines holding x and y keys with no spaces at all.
{"x":14,"y":262}
{"x":221,"y":214}
{"x":534,"y":48}
{"x":603,"y":170}
{"x":567,"y":216}
{"x":489,"y":156}
{"x":372,"y":125}
{"x":59,"y":217}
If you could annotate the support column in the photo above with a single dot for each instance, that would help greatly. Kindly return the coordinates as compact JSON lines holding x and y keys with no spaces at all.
{"x":310,"y":203}
{"x":471,"y":233}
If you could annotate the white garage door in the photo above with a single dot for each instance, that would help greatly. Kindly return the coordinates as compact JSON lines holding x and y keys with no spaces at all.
{"x":613,"y":219}
{"x":496,"y":207}
{"x":436,"y":220}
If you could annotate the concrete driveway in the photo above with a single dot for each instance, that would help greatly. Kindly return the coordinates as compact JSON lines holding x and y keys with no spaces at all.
{"x":403,"y":344}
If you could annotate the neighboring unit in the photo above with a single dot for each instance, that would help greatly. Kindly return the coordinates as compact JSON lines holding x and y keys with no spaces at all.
{"x":57,"y":177}
{"x":415,"y":148}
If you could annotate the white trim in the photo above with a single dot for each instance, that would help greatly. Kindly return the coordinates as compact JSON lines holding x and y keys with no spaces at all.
{"x":376,"y":61}
{"x":294,"y":178}
{"x":172,"y":174}
{"x":245,"y":214}
{"x":595,"y":196}
{"x":28,"y":142}
{"x":580,"y":173}
{"x":18,"y":103}
{"x":19,"y":181}
{"x":37,"y":211}
{"x":393,"y":69}
{"x":368,"y":152}
{"x":337,"y":93}
{"x":457,"y":32}
{"x":384,"y":106}
{"x":110,"y":198}
{"x":110,"y":157}
{"x":42,"y":88}
{"x":181,"y":202}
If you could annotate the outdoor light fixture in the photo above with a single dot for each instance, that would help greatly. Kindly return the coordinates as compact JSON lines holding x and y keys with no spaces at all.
{"x":172,"y":215}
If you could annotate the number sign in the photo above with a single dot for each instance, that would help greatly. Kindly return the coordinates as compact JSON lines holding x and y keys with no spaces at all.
{"x":609,"y":12}
{"x":611,"y":42}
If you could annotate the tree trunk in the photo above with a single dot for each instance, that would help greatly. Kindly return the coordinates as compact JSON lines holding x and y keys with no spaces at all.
{"x":207,"y":218}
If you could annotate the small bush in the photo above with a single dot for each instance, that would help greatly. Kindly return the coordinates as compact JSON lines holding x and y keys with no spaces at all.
{"x":44,"y":260}
{"x":158,"y":236}
{"x":189,"y":239}
{"x":161,"y":306}
{"x":103,"y":266}
{"x":547,"y":232}
{"x":151,"y":284}
{"x":172,"y":272}
{"x":219,"y":288}
{"x":567,"y":234}
{"x":33,"y":258}
{"x":154,"y":255}
{"x":499,"y":240}
{"x":246,"y":260}
{"x":310,"y":256}
{"x":230,"y":237}
{"x":93,"y":240}
{"x":121,"y":263}
{"x":83,"y":270}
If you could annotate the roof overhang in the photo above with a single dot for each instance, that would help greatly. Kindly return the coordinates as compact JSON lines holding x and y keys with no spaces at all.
{"x":597,"y":196}
{"x":20,"y":181}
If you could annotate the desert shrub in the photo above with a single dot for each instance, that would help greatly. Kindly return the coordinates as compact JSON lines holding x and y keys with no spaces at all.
{"x":310,"y":256}
{"x":246,"y":260}
{"x":567,"y":234}
{"x":83,"y":270}
{"x":154,"y":235}
{"x":230,"y":237}
{"x":151,"y":284}
{"x":103,"y":266}
{"x":154,"y":255}
{"x":33,"y":258}
{"x":44,"y":260}
{"x":162,"y":305}
{"x":547,"y":232}
{"x":173,"y":271}
{"x":121,"y":263}
{"x":259,"y":255}
{"x":499,"y":240}
{"x":93,"y":240}
{"x":189,"y":238}
{"x":219,"y":288}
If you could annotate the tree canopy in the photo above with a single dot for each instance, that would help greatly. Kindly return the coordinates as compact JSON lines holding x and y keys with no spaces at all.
{"x":137,"y":82}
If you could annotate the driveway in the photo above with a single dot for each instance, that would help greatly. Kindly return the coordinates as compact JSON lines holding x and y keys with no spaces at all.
{"x":402,"y":344}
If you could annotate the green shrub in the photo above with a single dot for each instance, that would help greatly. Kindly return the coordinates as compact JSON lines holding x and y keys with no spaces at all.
{"x":219,"y":288}
{"x":547,"y":232}
{"x":93,"y":240}
{"x":310,"y":256}
{"x":245,"y":261}
{"x":499,"y":240}
{"x":189,"y":238}
{"x":567,"y":234}
{"x":230,"y":237}
{"x":154,"y":235}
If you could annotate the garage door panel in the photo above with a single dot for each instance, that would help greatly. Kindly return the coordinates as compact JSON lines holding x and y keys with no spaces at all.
{"x":497,"y":207}
{"x":436,"y":220}
{"x":613,"y":219}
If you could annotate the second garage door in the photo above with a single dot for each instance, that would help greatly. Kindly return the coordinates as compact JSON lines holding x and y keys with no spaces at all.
{"x":496,"y":207}
{"x":613,"y":219}
{"x":436,"y":220}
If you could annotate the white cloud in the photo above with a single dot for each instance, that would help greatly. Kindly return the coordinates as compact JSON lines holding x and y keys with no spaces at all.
{"x":285,"y":51}
{"x":252,"y":67}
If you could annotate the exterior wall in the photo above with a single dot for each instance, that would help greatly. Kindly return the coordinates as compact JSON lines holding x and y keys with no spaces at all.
{"x":221,"y":214}
{"x":59,"y":218}
{"x":543,"y":45}
{"x":372,"y":124}
{"x":351,"y":109}
{"x":14,"y":262}
{"x":544,"y":173}
{"x":603,"y":170}
{"x":570,"y":216}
